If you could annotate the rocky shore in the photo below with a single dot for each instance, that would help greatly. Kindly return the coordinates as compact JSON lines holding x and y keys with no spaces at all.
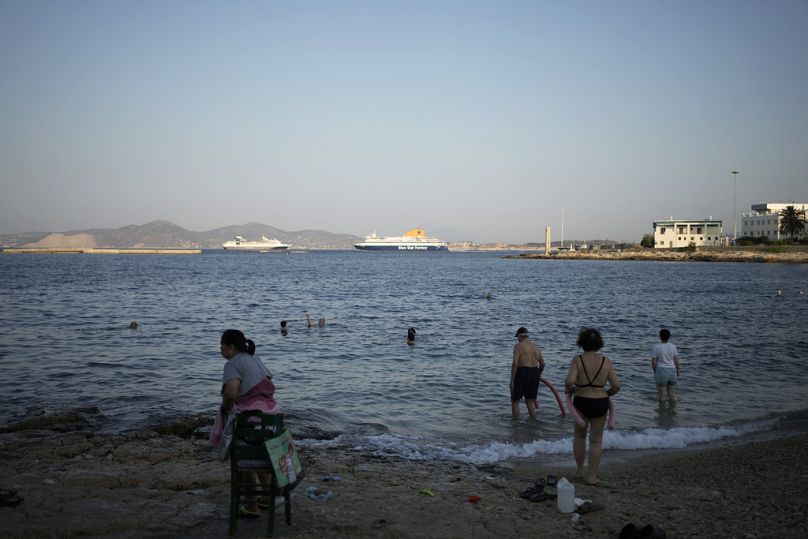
{"x":790,"y":256}
{"x":165,"y":482}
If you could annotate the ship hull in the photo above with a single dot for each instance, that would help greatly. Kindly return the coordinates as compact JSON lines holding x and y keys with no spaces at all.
{"x":400,"y":247}
{"x":257,"y":249}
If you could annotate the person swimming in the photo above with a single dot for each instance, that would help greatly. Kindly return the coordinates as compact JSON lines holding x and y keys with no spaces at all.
{"x":411,"y":336}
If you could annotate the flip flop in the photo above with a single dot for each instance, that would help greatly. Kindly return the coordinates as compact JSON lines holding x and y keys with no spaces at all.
{"x":539,"y":497}
{"x":530,"y":491}
{"x":552,"y":480}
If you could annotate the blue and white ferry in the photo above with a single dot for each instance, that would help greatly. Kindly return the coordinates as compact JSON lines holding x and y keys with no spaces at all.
{"x":412,"y":240}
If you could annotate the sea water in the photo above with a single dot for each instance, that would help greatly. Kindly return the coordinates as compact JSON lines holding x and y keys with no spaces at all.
{"x":65,"y":342}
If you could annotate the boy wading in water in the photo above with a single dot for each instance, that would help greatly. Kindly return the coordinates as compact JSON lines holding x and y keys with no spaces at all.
{"x":526,"y":370}
{"x":665,"y":363}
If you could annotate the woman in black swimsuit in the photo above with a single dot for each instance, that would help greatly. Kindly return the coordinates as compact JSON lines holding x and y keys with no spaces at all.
{"x":587,"y":377}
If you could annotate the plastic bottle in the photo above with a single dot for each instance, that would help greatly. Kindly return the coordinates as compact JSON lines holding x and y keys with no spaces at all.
{"x":565,"y":496}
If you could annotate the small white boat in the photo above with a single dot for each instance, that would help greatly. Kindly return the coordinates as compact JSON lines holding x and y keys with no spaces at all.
{"x":264,"y":245}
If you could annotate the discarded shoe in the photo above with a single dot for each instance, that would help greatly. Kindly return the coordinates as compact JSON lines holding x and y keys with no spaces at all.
{"x":243,"y":512}
{"x":539,"y":497}
{"x":541,"y":482}
{"x":9,"y":498}
{"x":552,"y":480}
{"x":530,"y":491}
{"x":629,"y":531}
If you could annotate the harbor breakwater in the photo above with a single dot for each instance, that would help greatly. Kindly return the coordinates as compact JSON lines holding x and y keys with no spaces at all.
{"x":98,"y":251}
{"x":791,"y":256}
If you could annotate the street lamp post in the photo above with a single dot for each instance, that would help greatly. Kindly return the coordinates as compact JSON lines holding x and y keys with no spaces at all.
{"x":734,"y":210}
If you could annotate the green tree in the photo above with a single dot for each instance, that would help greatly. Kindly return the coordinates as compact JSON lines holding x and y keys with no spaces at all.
{"x":792,"y":221}
{"x":647,"y":241}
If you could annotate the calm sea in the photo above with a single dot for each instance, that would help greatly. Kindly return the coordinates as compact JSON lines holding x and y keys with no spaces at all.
{"x":65,"y":342}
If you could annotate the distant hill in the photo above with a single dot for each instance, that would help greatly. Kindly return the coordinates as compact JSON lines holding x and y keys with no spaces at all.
{"x":162,"y":234}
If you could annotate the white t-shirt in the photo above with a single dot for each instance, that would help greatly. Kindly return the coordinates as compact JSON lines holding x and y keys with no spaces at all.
{"x":664,"y":352}
{"x":249,"y":369}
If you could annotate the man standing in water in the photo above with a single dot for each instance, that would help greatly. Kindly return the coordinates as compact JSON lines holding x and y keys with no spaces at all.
{"x":665,"y":363}
{"x":526,"y":370}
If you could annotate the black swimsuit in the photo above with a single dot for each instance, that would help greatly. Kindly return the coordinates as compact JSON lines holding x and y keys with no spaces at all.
{"x":526,"y":383}
{"x":591,"y":408}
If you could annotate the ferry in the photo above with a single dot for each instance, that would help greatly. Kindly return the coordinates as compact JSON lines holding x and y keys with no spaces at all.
{"x":412,"y":240}
{"x":263,"y":245}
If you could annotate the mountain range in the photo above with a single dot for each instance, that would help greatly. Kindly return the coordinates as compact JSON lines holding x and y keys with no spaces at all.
{"x":166,"y":235}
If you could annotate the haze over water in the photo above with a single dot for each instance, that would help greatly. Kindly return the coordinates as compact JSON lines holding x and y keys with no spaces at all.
{"x":65,"y":342}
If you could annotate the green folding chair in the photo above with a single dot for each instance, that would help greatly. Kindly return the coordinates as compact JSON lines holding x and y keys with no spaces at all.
{"x":249,"y":455}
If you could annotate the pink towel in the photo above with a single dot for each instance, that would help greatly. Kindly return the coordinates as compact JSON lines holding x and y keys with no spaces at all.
{"x":261,"y":397}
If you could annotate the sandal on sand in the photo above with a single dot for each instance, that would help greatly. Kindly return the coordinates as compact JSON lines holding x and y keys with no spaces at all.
{"x":539,"y":497}
{"x":541,"y":482}
{"x":552,"y":480}
{"x":530,"y":491}
{"x":243,"y":512}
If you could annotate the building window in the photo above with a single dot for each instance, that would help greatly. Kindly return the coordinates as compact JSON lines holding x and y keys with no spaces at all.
{"x":662,"y":230}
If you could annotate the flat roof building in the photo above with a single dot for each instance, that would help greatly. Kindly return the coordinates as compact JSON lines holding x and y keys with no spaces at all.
{"x":764,"y":220}
{"x":675,"y":233}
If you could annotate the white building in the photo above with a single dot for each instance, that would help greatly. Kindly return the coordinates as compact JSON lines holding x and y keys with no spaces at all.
{"x":764,"y":219}
{"x":682,"y":233}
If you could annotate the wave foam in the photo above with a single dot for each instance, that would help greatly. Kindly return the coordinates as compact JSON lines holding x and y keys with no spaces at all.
{"x":394,"y":445}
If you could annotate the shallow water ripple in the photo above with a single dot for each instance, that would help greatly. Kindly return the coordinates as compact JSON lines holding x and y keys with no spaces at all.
{"x":65,"y":319}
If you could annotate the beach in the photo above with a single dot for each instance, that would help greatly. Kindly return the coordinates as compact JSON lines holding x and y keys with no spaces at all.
{"x":166,"y":482}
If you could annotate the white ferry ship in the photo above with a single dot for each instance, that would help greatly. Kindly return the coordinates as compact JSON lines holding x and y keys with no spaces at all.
{"x":412,"y":240}
{"x":263,"y":245}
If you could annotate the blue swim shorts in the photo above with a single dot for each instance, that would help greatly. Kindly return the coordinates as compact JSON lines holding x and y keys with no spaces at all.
{"x":664,"y":376}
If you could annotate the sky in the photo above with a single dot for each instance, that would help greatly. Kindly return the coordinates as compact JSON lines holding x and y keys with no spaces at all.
{"x":486,"y":118}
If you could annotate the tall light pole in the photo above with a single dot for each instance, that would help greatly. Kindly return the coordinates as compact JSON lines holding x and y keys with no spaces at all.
{"x":734,"y":211}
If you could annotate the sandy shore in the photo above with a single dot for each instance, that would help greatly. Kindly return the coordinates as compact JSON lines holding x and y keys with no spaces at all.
{"x":167,"y":483}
